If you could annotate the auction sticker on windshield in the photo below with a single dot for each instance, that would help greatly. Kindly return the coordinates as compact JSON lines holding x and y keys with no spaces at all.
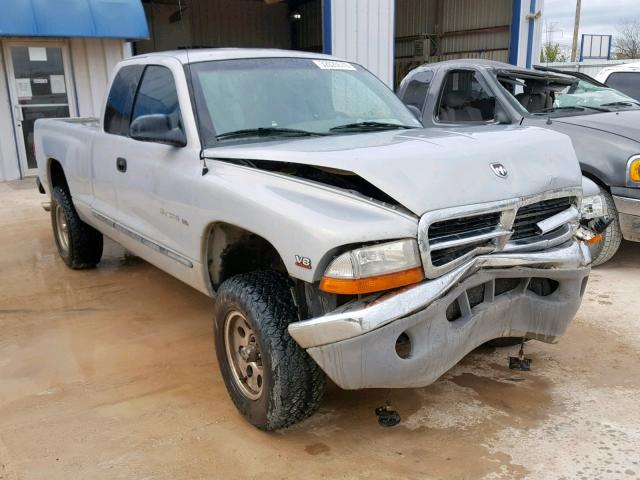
{"x":333,"y":65}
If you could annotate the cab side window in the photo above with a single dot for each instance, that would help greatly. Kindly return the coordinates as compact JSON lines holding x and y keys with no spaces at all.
{"x":157,"y":95}
{"x":120,"y":100}
{"x":415,"y":94}
{"x":464,"y":99}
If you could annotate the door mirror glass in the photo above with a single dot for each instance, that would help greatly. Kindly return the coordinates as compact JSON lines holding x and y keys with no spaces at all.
{"x":501,"y":116}
{"x":157,"y":128}
{"x":416,"y":112}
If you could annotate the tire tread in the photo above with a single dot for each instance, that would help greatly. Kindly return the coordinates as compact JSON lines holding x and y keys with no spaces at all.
{"x":85,"y":242}
{"x":301,"y":385}
{"x":612,"y":238}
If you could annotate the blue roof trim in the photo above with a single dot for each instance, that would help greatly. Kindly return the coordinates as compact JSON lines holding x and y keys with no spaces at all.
{"x":327,"y":46}
{"x":73,"y":18}
{"x":532,"y":26}
{"x":514,"y":43}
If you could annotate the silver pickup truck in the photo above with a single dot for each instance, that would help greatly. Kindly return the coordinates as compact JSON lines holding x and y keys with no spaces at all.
{"x":335,"y":234}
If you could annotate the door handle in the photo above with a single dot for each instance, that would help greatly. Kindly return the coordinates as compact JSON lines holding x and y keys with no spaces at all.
{"x":121,"y":164}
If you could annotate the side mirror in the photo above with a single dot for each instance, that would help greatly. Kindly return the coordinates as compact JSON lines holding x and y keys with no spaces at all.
{"x":501,"y":116}
{"x":157,"y":128}
{"x":416,"y":111}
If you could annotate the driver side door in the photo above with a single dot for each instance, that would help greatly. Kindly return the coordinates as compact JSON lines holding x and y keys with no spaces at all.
{"x":153,"y":200}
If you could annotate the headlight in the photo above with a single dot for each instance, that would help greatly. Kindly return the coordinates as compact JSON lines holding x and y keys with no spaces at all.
{"x":592,"y":207}
{"x":633,"y":171}
{"x":374,"y":268}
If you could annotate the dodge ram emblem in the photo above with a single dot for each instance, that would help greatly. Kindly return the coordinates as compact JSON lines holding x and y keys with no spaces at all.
{"x":499,"y":170}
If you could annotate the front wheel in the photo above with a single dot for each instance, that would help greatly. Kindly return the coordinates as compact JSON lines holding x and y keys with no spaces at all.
{"x":606,"y":248}
{"x":271,"y":380}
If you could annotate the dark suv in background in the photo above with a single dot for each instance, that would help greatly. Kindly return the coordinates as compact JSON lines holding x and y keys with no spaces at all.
{"x":603,"y":123}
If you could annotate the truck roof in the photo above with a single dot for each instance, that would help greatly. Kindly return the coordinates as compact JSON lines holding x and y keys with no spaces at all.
{"x":492,"y":64}
{"x":194,"y":55}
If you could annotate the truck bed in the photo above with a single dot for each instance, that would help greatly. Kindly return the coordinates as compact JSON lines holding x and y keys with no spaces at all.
{"x":70,"y":142}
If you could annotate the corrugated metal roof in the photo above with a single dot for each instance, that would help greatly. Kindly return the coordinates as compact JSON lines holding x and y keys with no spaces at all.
{"x":73,"y":18}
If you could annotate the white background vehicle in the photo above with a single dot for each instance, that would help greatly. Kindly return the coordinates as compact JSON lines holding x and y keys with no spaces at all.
{"x":625,"y":78}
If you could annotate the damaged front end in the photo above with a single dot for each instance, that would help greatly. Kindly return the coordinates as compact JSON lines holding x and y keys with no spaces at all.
{"x":513,"y":268}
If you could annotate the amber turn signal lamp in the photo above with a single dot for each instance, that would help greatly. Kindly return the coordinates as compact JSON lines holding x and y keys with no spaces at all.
{"x":634,"y":170}
{"x":596,"y":239}
{"x":348,"y":286}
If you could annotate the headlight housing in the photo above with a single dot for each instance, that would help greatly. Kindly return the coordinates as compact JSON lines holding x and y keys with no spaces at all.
{"x":374,"y":268}
{"x":633,"y":171}
{"x":592,"y":207}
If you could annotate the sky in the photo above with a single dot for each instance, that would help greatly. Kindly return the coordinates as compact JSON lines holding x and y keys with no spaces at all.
{"x":601,"y":17}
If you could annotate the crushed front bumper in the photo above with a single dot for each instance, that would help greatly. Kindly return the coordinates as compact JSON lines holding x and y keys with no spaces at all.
{"x":356,"y":345}
{"x":629,"y":216}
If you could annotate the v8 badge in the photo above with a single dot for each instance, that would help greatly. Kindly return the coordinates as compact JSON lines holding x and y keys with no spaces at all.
{"x":303,"y":262}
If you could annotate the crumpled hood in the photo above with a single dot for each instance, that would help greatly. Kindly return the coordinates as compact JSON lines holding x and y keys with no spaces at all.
{"x":430,"y":169}
{"x":624,"y":123}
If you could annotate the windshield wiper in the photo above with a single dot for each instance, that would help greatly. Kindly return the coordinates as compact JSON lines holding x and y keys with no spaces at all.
{"x":621,"y":104}
{"x":268,"y":132}
{"x":580,"y":108}
{"x":369,"y":126}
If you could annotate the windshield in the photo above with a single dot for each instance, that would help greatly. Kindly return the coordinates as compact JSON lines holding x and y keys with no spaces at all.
{"x":275,"y":97}
{"x":585,"y":94}
{"x":563,"y":96}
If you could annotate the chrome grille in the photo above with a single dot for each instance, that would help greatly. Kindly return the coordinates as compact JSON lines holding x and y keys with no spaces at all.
{"x":448,"y":238}
{"x":451,"y":237}
{"x":525,"y":225}
{"x":448,"y":228}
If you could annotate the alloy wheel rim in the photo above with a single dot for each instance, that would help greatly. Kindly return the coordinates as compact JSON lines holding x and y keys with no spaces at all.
{"x":243,"y":355}
{"x":62,"y":229}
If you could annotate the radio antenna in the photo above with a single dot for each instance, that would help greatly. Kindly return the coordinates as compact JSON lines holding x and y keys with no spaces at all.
{"x":205,"y":168}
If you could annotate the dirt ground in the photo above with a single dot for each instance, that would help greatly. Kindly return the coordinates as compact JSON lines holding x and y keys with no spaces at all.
{"x":111,"y":374}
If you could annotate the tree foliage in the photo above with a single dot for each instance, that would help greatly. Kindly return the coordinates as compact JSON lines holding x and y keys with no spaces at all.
{"x":551,"y":52}
{"x":627,"y":40}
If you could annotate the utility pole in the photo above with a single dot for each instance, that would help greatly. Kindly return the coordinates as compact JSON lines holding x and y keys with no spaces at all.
{"x":576,"y":28}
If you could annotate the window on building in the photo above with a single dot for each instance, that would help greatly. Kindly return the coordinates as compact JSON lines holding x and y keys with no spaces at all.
{"x":415,"y":93}
{"x":158,"y":95}
{"x":464,"y":98}
{"x":120,"y":100}
{"x":626,"y":82}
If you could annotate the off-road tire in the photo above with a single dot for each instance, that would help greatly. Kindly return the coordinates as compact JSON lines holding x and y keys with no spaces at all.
{"x":293,"y":385}
{"x":84,"y":242}
{"x":606,"y":248}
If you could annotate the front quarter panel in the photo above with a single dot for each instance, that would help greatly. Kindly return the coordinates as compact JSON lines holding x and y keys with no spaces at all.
{"x":296,"y":216}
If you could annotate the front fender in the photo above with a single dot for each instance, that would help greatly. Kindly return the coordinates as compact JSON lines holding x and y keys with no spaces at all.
{"x":602,"y":155}
{"x":298,"y":217}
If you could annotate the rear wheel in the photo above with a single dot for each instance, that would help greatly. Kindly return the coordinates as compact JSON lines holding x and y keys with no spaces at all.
{"x":79,"y":244}
{"x":271,"y":380}
{"x":606,"y":248}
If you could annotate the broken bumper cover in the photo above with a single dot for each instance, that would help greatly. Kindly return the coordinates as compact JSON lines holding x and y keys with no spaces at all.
{"x":356,"y":345}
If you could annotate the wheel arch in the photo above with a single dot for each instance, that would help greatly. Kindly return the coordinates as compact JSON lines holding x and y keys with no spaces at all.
{"x":56,"y":175}
{"x":230,"y":250}
{"x":595,"y":178}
